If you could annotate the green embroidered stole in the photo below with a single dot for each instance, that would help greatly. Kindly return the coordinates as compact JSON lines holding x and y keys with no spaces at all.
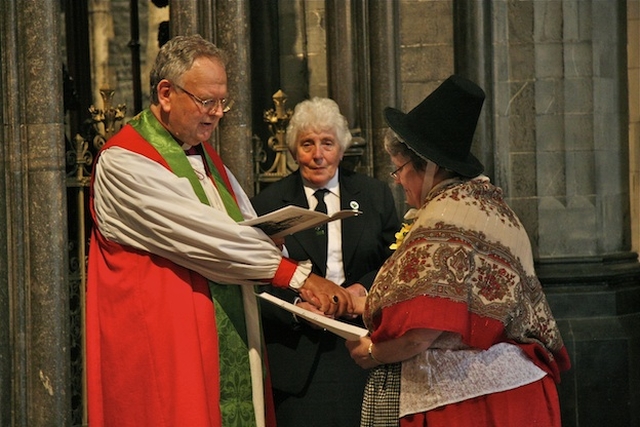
{"x":236,"y":400}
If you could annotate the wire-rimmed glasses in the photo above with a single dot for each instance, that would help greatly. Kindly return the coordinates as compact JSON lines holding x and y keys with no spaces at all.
{"x":395,"y":173}
{"x":208,"y":105}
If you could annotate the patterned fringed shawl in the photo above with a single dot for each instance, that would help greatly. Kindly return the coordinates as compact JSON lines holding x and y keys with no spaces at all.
{"x":466,"y":267}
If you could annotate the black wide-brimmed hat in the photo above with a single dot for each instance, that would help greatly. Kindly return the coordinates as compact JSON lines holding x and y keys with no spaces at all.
{"x":441,"y":127}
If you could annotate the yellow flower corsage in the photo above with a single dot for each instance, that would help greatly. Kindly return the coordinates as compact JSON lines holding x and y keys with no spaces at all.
{"x":400,"y":236}
{"x":406,"y":226}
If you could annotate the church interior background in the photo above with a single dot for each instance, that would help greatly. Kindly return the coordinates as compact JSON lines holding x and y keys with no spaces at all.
{"x":559,"y":133}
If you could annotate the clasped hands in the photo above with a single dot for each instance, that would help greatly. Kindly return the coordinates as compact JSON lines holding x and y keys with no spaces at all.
{"x":330,"y":299}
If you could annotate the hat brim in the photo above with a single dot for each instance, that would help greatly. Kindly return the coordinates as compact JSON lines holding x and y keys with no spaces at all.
{"x":397,"y":121}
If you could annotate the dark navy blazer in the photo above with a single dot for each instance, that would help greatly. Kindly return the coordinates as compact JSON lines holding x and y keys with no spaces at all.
{"x":293,"y":347}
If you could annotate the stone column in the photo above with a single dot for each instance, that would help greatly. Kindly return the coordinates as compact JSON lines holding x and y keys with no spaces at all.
{"x":226,"y":24}
{"x":101,"y":34}
{"x":472,"y":60}
{"x":183,"y":17}
{"x":633,"y":34}
{"x":235,"y":132}
{"x":341,"y":58}
{"x":385,"y":75}
{"x":34,"y":342}
{"x":349,"y":76}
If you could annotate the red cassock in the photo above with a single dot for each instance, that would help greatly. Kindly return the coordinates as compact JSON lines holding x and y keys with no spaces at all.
{"x":152,"y":342}
{"x":152,"y":351}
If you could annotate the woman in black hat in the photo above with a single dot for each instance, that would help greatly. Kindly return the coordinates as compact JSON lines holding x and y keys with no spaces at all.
{"x":460,"y":331}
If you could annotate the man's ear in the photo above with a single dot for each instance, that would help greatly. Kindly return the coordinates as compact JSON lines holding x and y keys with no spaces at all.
{"x":164,"y":90}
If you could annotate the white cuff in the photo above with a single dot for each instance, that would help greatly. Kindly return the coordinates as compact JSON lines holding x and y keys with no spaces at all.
{"x":302,"y":273}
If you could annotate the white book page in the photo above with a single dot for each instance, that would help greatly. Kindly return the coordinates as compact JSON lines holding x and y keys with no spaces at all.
{"x":291,"y":219}
{"x":345,"y":330}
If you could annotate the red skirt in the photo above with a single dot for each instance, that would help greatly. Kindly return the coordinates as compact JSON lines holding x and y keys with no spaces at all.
{"x":534,"y":404}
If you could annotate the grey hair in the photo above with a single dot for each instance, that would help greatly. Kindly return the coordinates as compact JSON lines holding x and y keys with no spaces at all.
{"x":176,"y":57}
{"x":318,"y":114}
{"x":395,"y":146}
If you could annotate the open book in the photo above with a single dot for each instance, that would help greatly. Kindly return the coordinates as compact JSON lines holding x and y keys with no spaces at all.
{"x":345,"y":330}
{"x":291,"y":219}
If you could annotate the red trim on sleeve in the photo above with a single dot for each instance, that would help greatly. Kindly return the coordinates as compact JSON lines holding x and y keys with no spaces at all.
{"x":452,"y":316}
{"x":437,"y":313}
{"x":285,"y":272}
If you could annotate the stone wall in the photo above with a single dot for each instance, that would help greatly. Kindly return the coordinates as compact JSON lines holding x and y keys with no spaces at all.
{"x":426,"y":48}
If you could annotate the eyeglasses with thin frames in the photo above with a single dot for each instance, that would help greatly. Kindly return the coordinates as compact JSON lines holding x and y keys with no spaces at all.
{"x":209,"y":104}
{"x":395,"y":173}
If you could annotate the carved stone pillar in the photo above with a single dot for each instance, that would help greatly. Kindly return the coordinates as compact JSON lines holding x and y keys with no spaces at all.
{"x":384,"y":42}
{"x":473,"y":61}
{"x":349,"y":75}
{"x":235,"y":132}
{"x":226,"y":23}
{"x":101,"y":34}
{"x":34,"y":342}
{"x":341,"y":57}
{"x":188,"y":17}
{"x":183,"y":17}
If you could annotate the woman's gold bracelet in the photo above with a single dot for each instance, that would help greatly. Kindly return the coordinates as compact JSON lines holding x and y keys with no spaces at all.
{"x":371,"y":356}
